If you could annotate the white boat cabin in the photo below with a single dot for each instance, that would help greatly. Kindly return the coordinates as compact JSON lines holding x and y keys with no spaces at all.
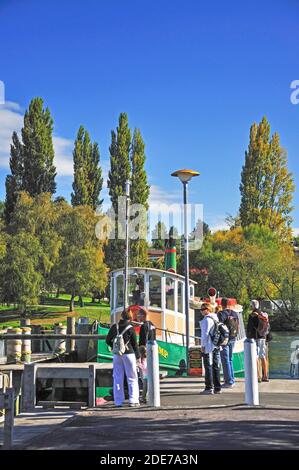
{"x":163,"y":295}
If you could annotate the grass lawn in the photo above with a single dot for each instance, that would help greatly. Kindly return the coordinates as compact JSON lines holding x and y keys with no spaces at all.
{"x":53,"y":310}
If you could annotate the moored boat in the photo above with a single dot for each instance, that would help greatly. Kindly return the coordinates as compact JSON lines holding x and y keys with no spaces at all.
{"x":161,"y":292}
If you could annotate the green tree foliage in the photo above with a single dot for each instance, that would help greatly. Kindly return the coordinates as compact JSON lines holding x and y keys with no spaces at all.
{"x":31,"y":246}
{"x":38,"y":216}
{"x":275,"y":268}
{"x":140,"y":188}
{"x":250,"y":263}
{"x":120,"y":167}
{"x":139,"y":194}
{"x":158,"y":236}
{"x":14,"y":181}
{"x":266,"y":185}
{"x":217,"y":264}
{"x":32,"y":159}
{"x":2,"y":208}
{"x":80,"y":269}
{"x":20,"y":278}
{"x":88,"y":181}
{"x":119,"y":173}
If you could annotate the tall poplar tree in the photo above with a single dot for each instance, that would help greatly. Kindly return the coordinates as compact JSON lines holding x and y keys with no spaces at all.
{"x":119,"y":173}
{"x":13,"y":182}
{"x":119,"y":160}
{"x":139,"y":195}
{"x":88,"y":179}
{"x":32,"y":159}
{"x":266,"y":184}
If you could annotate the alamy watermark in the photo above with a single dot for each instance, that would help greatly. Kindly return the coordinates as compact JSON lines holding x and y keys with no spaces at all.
{"x":295,"y":94}
{"x":142,"y":221}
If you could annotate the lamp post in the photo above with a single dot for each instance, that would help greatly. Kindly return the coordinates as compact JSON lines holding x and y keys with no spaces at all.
{"x":185,"y":176}
{"x":128,"y":184}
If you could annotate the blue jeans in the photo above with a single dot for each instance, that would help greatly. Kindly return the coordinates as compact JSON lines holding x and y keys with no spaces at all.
{"x":293,"y":370}
{"x":212,"y":370}
{"x":226,"y":355}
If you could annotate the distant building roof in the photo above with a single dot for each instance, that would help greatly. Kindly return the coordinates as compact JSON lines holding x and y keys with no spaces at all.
{"x":155,"y":254}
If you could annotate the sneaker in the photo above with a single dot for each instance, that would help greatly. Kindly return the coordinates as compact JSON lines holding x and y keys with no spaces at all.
{"x":265,"y":380}
{"x":217,"y":391}
{"x":118,"y":406}
{"x":207,"y":392}
{"x":259,"y":380}
{"x":228,"y":385}
{"x":134,"y":405}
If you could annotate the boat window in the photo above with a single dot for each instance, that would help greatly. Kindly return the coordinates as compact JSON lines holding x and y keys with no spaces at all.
{"x":136,"y":289}
{"x":119,"y":291}
{"x":180,"y":297}
{"x":170,"y":284}
{"x":191,"y":291}
{"x":155,"y":290}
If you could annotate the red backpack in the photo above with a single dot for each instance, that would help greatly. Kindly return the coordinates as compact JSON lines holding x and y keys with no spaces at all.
{"x":263,"y":327}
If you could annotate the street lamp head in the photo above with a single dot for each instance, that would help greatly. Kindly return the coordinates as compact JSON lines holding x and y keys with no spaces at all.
{"x":185,"y":175}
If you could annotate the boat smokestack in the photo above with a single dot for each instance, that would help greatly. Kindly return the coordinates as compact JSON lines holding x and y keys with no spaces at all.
{"x":170,"y":252}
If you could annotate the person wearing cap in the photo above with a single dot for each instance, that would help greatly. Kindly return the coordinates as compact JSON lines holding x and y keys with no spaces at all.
{"x":210,"y":352}
{"x":147,"y":329}
{"x":231,"y":320}
{"x":254,"y":332}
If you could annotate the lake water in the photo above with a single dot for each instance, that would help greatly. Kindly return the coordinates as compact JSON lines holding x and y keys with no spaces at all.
{"x":280,"y":349}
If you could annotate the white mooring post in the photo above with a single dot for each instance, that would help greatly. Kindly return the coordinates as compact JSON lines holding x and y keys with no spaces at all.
{"x":251,"y":379}
{"x":152,"y":353}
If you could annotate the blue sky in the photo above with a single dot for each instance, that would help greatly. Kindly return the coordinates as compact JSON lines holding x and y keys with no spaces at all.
{"x":192,"y":75}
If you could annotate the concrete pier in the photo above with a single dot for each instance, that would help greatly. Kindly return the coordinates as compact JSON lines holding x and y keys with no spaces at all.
{"x":186,"y":420}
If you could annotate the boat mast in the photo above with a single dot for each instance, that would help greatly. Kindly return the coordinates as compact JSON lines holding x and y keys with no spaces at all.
{"x":127,"y":245}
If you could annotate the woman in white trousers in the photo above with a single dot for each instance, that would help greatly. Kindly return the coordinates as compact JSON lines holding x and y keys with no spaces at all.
{"x":125,"y":364}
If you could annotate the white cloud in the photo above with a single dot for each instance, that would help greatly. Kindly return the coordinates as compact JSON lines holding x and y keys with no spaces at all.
{"x":11,"y":119}
{"x":160,"y":200}
{"x":296,"y":231}
{"x":216,"y":222}
{"x":63,"y":156}
{"x":105,"y":165}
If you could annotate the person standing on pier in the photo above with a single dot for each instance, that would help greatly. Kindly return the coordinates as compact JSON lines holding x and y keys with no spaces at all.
{"x":123,"y":341}
{"x":258,"y":328}
{"x":294,"y":362}
{"x":231,"y":320}
{"x":210,"y":352}
{"x":147,"y":329}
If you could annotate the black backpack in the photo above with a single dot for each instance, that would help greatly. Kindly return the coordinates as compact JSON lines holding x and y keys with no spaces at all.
{"x":233,"y":325}
{"x":220,"y":334}
{"x":150,"y":331}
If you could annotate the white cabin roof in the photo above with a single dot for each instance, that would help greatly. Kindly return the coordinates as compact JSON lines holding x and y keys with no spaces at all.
{"x":139,"y":269}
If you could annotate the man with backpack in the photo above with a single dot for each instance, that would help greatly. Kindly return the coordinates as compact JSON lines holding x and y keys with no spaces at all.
{"x":231,"y":320}
{"x":294,"y":362}
{"x":147,"y":329}
{"x":213,"y":335}
{"x":123,"y":341}
{"x":258,"y":328}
